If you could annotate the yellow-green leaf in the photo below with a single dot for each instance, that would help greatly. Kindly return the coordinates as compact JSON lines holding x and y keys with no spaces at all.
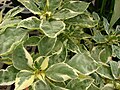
{"x":24,"y":79}
{"x":44,"y":64}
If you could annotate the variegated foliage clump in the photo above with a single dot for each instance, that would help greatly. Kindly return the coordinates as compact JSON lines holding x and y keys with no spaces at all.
{"x":71,"y":49}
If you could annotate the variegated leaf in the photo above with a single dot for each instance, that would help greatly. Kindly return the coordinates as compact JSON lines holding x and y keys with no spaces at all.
{"x":31,"y":23}
{"x":30,"y":5}
{"x":76,"y":84}
{"x":10,"y":38}
{"x":24,"y":79}
{"x":52,"y":28}
{"x":46,"y":45}
{"x":83,"y":63}
{"x":40,"y":85}
{"x":60,"y":72}
{"x":22,"y":60}
{"x":7,"y":76}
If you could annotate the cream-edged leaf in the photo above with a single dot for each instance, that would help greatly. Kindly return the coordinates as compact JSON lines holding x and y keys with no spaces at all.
{"x":28,"y":57}
{"x":52,"y":28}
{"x":44,"y":64}
{"x":24,"y":79}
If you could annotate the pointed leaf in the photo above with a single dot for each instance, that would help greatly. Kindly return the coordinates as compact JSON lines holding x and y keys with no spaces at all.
{"x":83,"y":63}
{"x":28,"y":57}
{"x":24,"y":79}
{"x":44,"y":64}
{"x":21,"y":59}
{"x":52,"y":28}
{"x":10,"y":38}
{"x":46,"y":45}
{"x":106,"y":25}
{"x":7,"y":77}
{"x":30,"y":5}
{"x":60,"y":72}
{"x":31,"y":23}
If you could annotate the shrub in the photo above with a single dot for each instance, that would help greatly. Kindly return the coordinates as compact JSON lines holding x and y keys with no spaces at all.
{"x":71,"y":49}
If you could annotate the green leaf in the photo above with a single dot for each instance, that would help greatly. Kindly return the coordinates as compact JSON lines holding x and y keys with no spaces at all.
{"x":105,"y":54}
{"x":32,"y":41}
{"x":83,"y":20}
{"x":41,"y":4}
{"x":59,"y":57}
{"x":98,"y":81}
{"x":60,"y":72}
{"x":96,"y":16}
{"x":46,"y":45}
{"x":116,"y":50}
{"x":10,"y":38}
{"x":72,"y":46}
{"x":57,"y":48}
{"x":40,"y":85}
{"x":83,"y":63}
{"x":77,"y":6}
{"x":22,"y":59}
{"x":30,"y":5}
{"x":99,"y":38}
{"x":38,"y":61}
{"x":106,"y":26}
{"x":115,"y":69}
{"x":95,"y":53}
{"x":52,"y":28}
{"x":31,"y":23}
{"x":44,"y":64}
{"x":13,"y":12}
{"x":7,"y":77}
{"x":64,"y":14}
{"x":54,"y":4}
{"x":28,"y":57}
{"x":24,"y":79}
{"x":105,"y":72}
{"x":9,"y":23}
{"x":116,"y":13}
{"x":76,"y":84}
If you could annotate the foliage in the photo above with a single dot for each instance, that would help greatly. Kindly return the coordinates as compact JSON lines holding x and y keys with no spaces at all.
{"x":72,"y":49}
